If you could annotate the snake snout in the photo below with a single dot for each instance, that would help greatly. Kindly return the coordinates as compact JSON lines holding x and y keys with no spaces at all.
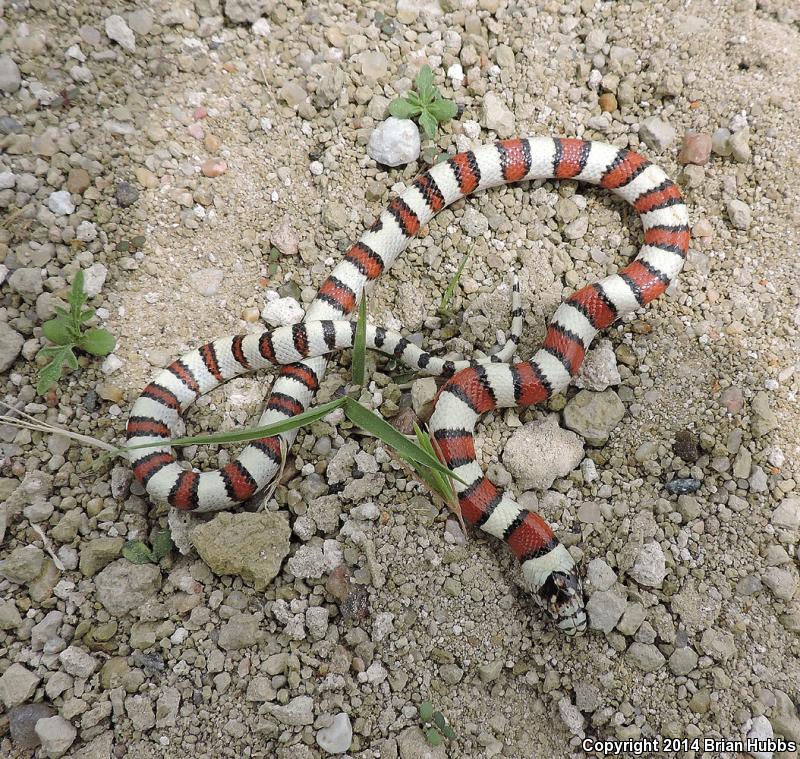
{"x":562,"y":597}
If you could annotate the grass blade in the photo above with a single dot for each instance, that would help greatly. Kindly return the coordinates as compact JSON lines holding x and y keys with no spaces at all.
{"x":381,"y":429}
{"x":251,"y":433}
{"x":360,"y":344}
{"x":451,"y":288}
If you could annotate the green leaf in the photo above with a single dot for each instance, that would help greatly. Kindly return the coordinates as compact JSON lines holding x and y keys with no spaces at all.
{"x":372,"y":423}
{"x":428,"y":124}
{"x":402,"y":109}
{"x":425,"y":84}
{"x":433,"y":737}
{"x":58,"y":331}
{"x":49,"y":375}
{"x":98,"y":342}
{"x":451,"y":288}
{"x":251,"y":433}
{"x":61,"y":312}
{"x":449,"y":733}
{"x":443,"y":110}
{"x":87,"y":314}
{"x":137,"y":552}
{"x":426,"y":711}
{"x":439,"y":720}
{"x":360,"y":344}
{"x":77,"y":297}
{"x":70,"y":358}
{"x":162,"y":544}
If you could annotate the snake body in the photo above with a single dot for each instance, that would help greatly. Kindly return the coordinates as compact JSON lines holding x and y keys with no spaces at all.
{"x":473,"y":388}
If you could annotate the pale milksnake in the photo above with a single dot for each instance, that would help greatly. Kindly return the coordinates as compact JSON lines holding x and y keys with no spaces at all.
{"x":547,"y":566}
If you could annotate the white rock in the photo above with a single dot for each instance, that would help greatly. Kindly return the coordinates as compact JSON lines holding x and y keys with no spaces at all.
{"x":599,"y":575}
{"x":394,"y":142}
{"x":74,"y":51}
{"x":10,"y":79}
{"x":338,"y":736}
{"x":650,"y":567}
{"x":497,"y":116}
{"x":7,"y":180}
{"x":111,"y":364}
{"x":787,"y":515}
{"x":118,"y":30}
{"x":56,"y":735}
{"x":86,"y":231}
{"x":94,"y":278}
{"x":571,"y":716}
{"x":455,"y":73}
{"x":282,"y":311}
{"x":539,"y":452}
{"x":261,"y":28}
{"x":77,"y":662}
{"x":60,"y":203}
{"x":473,"y":222}
{"x":599,"y":369}
{"x":656,"y":133}
{"x":760,"y":730}
{"x":739,"y":213}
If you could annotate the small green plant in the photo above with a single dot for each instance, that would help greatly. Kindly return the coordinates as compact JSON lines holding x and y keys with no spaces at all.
{"x":137,"y":552}
{"x":435,"y":724}
{"x":444,"y":306}
{"x":426,"y":104}
{"x":67,"y":332}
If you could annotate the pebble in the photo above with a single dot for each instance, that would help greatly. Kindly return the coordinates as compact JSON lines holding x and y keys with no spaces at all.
{"x":605,"y":609}
{"x":696,"y":149}
{"x":599,"y":370}
{"x":719,"y":142}
{"x":739,"y":214}
{"x":77,"y":662}
{"x":250,"y":545}
{"x":656,"y":133}
{"x":285,"y":239}
{"x":338,"y":736}
{"x":56,"y":736}
{"x":763,"y":419}
{"x":787,"y":514}
{"x":60,"y":203}
{"x":118,"y":30}
{"x":497,"y":116}
{"x":11,"y":343}
{"x":22,"y":564}
{"x":760,"y":730}
{"x":17,"y":685}
{"x":607,"y":102}
{"x":10,"y":79}
{"x":394,"y":142}
{"x":559,"y":451}
{"x":126,"y":194}
{"x":22,"y":722}
{"x":599,"y":575}
{"x":680,"y":486}
{"x":123,"y":586}
{"x":687,"y":446}
{"x":739,"y":144}
{"x":733,"y":399}
{"x":214,"y":167}
{"x":299,"y":711}
{"x":27,"y":281}
{"x":649,"y":568}
{"x":241,"y":631}
{"x":645,"y":656}
{"x":594,"y":415}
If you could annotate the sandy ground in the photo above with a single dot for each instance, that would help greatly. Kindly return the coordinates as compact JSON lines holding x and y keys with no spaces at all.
{"x":710,"y":651}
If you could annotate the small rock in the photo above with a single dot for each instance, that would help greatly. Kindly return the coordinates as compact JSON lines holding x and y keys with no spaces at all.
{"x":78,"y":181}
{"x":645,"y":656}
{"x":607,"y":102}
{"x":782,"y":582}
{"x":719,"y":142}
{"x":739,"y":214}
{"x":118,"y":30}
{"x":787,"y":515}
{"x":60,"y":203}
{"x":696,"y":149}
{"x":17,"y":685}
{"x":214,"y":167}
{"x":649,"y":568}
{"x":760,"y":731}
{"x":394,"y":142}
{"x":241,"y":631}
{"x":496,"y":115}
{"x":299,"y":711}
{"x":251,"y":545}
{"x":22,"y":722}
{"x":687,"y":446}
{"x":594,"y":415}
{"x":246,"y":11}
{"x":123,"y":586}
{"x":558,"y":453}
{"x":682,"y":486}
{"x":682,"y":661}
{"x":739,"y":144}
{"x":718,"y":644}
{"x":412,"y":744}
{"x":338,"y":736}
{"x":140,"y":712}
{"x":285,"y":239}
{"x":599,"y":370}
{"x":77,"y":662}
{"x":656,"y":133}
{"x":490,"y":671}
{"x":126,"y":194}
{"x":763,"y":419}
{"x":605,"y":609}
{"x":98,"y":553}
{"x":733,"y":399}
{"x":10,"y":79}
{"x":571,"y":716}
{"x":27,"y":281}
{"x":599,"y":575}
{"x":94,"y":278}
{"x":11,"y":343}
{"x":23,"y":564}
{"x":56,"y":735}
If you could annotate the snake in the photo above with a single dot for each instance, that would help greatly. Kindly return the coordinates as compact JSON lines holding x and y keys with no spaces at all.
{"x":472,"y":388}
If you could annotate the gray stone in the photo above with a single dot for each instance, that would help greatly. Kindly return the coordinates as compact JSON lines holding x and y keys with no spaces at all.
{"x":650,"y":568}
{"x":60,"y":203}
{"x":260,"y":689}
{"x":594,"y":415}
{"x":558,"y":452}
{"x":247,"y":11}
{"x":56,"y":735}
{"x":46,"y":630}
{"x":299,"y":711}
{"x":241,"y":631}
{"x":10,"y":618}
{"x":250,"y":545}
{"x":394,"y":142}
{"x":123,"y":586}
{"x":599,"y":369}
{"x":17,"y":685}
{"x":126,"y":194}
{"x":23,"y":564}
{"x":22,"y":721}
{"x":451,"y":673}
{"x":645,"y":656}
{"x":338,"y":736}
{"x":631,"y":619}
{"x":167,"y":705}
{"x":490,"y":671}
{"x":787,"y":515}
{"x":718,"y":644}
{"x":98,"y":553}
{"x":27,"y":282}
{"x":656,"y":133}
{"x":118,"y":30}
{"x":77,"y":662}
{"x":763,"y":419}
{"x":10,"y":346}
{"x":782,"y":582}
{"x":739,"y":214}
{"x":497,"y":116}
{"x":140,"y":712}
{"x":605,"y":607}
{"x":682,"y":661}
{"x":10,"y":79}
{"x":599,"y":575}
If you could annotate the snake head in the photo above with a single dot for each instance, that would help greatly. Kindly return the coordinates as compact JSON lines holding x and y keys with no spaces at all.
{"x":561,"y":595}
